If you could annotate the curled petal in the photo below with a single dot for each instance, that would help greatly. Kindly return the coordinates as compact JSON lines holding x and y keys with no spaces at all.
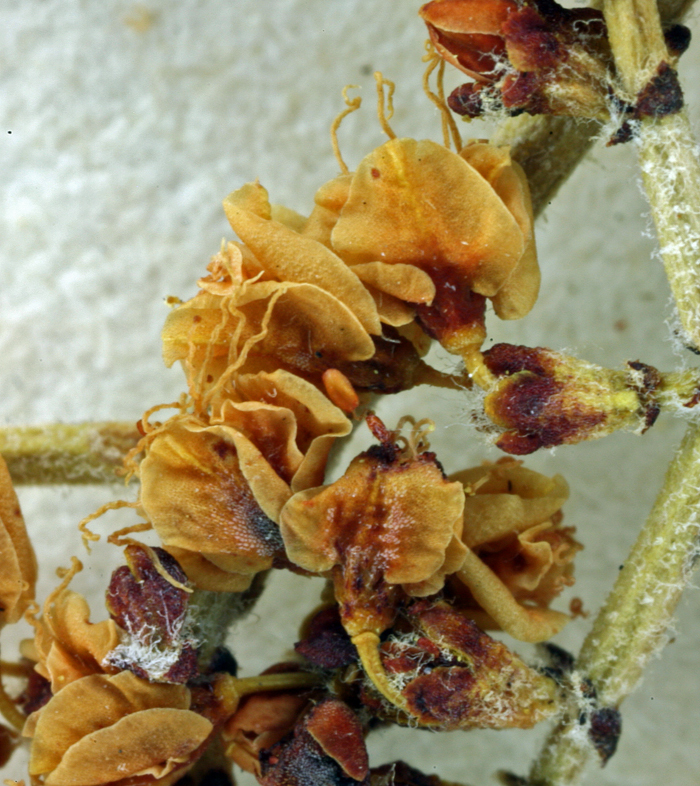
{"x":209,"y":490}
{"x":18,"y":574}
{"x":417,"y":203}
{"x":509,"y":498}
{"x":525,"y":623}
{"x":103,"y":729}
{"x":292,"y":257}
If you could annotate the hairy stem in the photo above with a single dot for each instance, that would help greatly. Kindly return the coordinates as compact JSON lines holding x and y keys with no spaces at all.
{"x":670,"y":167}
{"x":667,"y":155}
{"x":70,"y":453}
{"x":631,"y":627}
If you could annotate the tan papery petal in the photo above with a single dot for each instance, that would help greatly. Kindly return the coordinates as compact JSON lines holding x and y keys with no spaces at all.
{"x":410,"y":510}
{"x":210,"y":490}
{"x":288,"y":217}
{"x":152,"y":742}
{"x":68,"y":645}
{"x":89,"y":704}
{"x":293,"y":257}
{"x":18,"y":573}
{"x":207,"y":576}
{"x":415,"y":202}
{"x":405,"y":282}
{"x":318,"y":422}
{"x":518,"y":294}
{"x":391,"y":310}
{"x":329,"y":200}
{"x":509,"y":498}
{"x":525,"y":623}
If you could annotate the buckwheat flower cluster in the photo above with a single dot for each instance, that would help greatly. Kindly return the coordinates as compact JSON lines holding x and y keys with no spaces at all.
{"x":298,"y":325}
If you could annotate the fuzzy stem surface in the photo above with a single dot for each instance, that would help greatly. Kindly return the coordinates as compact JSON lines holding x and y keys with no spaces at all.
{"x":631,"y":627}
{"x":67,"y":453}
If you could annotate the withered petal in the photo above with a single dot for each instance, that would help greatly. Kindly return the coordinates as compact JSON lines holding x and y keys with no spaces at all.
{"x":150,"y":742}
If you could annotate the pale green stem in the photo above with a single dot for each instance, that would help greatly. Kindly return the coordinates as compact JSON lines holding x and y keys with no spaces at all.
{"x":631,"y":627}
{"x":671,"y":174}
{"x":71,"y":453}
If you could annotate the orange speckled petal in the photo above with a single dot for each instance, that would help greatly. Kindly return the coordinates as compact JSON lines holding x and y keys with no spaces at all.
{"x":151,"y":742}
{"x":415,"y":202}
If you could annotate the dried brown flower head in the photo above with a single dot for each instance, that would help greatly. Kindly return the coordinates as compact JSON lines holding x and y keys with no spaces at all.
{"x":519,"y":557}
{"x":535,"y":57}
{"x":388,"y":527}
{"x":463,"y":219}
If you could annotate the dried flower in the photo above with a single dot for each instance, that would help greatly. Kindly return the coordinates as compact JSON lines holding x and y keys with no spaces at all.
{"x":543,"y":398}
{"x":244,"y":321}
{"x":519,"y":557}
{"x":18,"y":574}
{"x":535,"y":57}
{"x":389,"y":525}
{"x":213,"y":499}
{"x":66,"y":645}
{"x":107,"y":729}
{"x":464,"y":220}
{"x":451,"y":675}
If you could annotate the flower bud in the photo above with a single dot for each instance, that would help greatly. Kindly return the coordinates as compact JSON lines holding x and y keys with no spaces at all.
{"x":451,"y":675}
{"x":543,"y":398}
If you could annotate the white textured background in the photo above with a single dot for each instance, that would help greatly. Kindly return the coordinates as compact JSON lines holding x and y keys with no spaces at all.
{"x":123,"y":127}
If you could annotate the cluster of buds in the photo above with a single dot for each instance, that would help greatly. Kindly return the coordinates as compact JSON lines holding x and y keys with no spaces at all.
{"x":541,"y":58}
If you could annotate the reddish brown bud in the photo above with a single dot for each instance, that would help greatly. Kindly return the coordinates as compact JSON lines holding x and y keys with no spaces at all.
{"x":544,"y":398}
{"x":452,"y":675}
{"x":537,"y":57}
{"x":148,"y":598}
{"x":325,"y":641}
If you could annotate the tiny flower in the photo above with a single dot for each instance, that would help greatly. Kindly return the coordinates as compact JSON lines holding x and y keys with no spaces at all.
{"x":463,"y":220}
{"x":451,"y":675}
{"x":18,"y":574}
{"x":543,"y":398}
{"x":389,"y":526}
{"x":104,"y":729}
{"x":519,"y":557}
